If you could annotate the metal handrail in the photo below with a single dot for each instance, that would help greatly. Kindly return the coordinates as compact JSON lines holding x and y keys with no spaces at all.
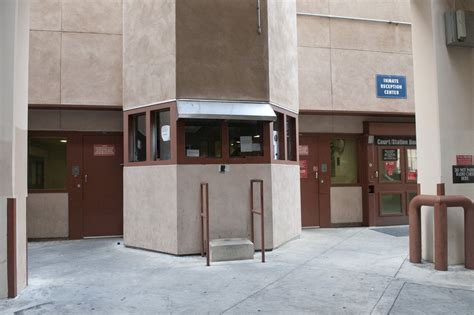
{"x":441,"y":203}
{"x":260,"y":212}
{"x":205,"y":222}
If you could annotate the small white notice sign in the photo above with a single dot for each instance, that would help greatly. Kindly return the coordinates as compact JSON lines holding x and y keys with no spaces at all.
{"x":192,"y":153}
{"x":246,"y":144}
{"x":165,"y":133}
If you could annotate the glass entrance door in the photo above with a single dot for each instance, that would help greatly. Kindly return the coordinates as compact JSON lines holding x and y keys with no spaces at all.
{"x":396,"y":184}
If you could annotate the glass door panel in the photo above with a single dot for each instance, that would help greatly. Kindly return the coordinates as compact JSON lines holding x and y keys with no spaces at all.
{"x":390,"y":165}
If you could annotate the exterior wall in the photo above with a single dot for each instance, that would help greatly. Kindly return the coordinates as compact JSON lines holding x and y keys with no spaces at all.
{"x":76,"y":52}
{"x":219,"y":53}
{"x":150,"y":203}
{"x":443,"y":82}
{"x":341,"y":124}
{"x":286,"y":203}
{"x":229,"y":209}
{"x":47,"y":215}
{"x":339,"y":59}
{"x":14,"y":25}
{"x":346,"y":205}
{"x":283,"y":54}
{"x":75,"y":120}
{"x":149,"y":51}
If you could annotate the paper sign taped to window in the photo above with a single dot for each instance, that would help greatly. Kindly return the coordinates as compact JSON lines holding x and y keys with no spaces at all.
{"x":256,"y":147}
{"x":104,"y":150}
{"x":165,"y":133}
{"x":246,"y":144}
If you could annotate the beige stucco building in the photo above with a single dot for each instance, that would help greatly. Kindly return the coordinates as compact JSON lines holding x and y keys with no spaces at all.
{"x":133,"y":104}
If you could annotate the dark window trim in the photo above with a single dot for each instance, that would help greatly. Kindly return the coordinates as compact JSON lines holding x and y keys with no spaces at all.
{"x":283,"y":130}
{"x":148,"y":110}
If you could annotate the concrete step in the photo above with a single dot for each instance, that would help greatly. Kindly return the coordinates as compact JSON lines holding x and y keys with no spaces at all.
{"x":231,"y":249}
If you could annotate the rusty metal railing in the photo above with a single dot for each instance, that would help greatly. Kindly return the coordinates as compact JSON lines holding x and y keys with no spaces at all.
{"x":440,"y":202}
{"x":260,"y":212}
{"x":205,"y":222}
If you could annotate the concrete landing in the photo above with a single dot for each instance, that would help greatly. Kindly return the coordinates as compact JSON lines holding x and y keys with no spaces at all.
{"x":231,"y":249}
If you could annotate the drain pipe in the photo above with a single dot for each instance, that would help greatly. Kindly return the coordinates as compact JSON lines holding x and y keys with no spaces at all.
{"x":259,"y":18}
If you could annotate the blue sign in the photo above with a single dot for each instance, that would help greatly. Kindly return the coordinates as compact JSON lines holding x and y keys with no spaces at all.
{"x":391,"y":86}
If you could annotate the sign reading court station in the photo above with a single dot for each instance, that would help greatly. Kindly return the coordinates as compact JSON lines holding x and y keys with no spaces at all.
{"x":391,"y":86}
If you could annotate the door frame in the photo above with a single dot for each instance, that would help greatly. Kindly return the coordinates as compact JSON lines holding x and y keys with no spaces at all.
{"x":325,"y":216}
{"x":74,"y":156}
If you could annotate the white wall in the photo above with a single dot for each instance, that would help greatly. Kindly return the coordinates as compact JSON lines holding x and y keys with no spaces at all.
{"x":14,"y":36}
{"x":444,"y":97}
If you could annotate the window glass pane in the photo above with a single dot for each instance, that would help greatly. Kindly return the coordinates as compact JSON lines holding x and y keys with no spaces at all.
{"x":291,"y":138}
{"x":411,"y":195}
{"x":161,"y":149}
{"x":278,"y":138}
{"x":389,"y":166}
{"x":47,"y":163}
{"x":203,"y":138}
{"x":412,"y":169}
{"x":344,"y":168}
{"x":137,"y":127}
{"x":391,"y":203}
{"x":245,"y":138}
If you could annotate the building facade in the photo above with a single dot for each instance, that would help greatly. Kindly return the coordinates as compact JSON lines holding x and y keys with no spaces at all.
{"x":134,"y":104}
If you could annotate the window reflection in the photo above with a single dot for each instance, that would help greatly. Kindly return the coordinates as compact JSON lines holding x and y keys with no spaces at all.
{"x":47,"y":163}
{"x":203,"y":138}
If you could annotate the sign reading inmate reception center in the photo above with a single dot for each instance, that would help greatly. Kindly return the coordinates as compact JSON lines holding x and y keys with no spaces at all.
{"x":391,"y":86}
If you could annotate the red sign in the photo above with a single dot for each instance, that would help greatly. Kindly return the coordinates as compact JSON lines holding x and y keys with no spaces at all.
{"x":389,"y":167}
{"x":463,"y":159}
{"x":104,"y":150}
{"x":303,"y":150}
{"x":412,"y":176}
{"x":303,"y":169}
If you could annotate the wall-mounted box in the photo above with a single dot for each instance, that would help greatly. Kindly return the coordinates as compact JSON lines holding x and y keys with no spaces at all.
{"x":459,"y":28}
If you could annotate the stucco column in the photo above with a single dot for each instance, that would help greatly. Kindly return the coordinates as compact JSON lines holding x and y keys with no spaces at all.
{"x":444,"y":112}
{"x":14,"y":35}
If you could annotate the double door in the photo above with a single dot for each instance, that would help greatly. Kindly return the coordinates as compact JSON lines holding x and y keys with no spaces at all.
{"x":315,"y":180}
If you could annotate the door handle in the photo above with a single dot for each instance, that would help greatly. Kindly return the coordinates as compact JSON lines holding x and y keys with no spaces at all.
{"x":316,"y":174}
{"x":376,"y":174}
{"x":85,"y":178}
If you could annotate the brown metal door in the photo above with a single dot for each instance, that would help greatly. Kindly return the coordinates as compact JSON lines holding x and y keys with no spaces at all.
{"x":103,"y":185}
{"x":315,"y":180}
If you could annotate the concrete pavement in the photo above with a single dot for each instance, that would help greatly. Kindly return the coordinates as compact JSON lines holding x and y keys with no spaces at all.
{"x":327,"y":271}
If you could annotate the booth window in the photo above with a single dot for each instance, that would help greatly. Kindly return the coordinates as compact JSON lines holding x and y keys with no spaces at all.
{"x":290,"y":138}
{"x":137,"y":137}
{"x":245,"y":138}
{"x":161,"y":135}
{"x":278,"y":137}
{"x":203,"y":138}
{"x":344,"y":167}
{"x":47,"y":163}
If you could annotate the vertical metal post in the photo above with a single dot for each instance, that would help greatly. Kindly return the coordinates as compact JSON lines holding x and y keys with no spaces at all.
{"x":252,"y":235}
{"x":202,"y":221}
{"x":208,"y":254}
{"x":415,"y":233}
{"x":469,"y":237}
{"x":262,"y":221}
{"x":441,"y":231}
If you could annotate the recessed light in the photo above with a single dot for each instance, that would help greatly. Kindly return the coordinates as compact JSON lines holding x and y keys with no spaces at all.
{"x":257,"y":136}
{"x":63,"y":141}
